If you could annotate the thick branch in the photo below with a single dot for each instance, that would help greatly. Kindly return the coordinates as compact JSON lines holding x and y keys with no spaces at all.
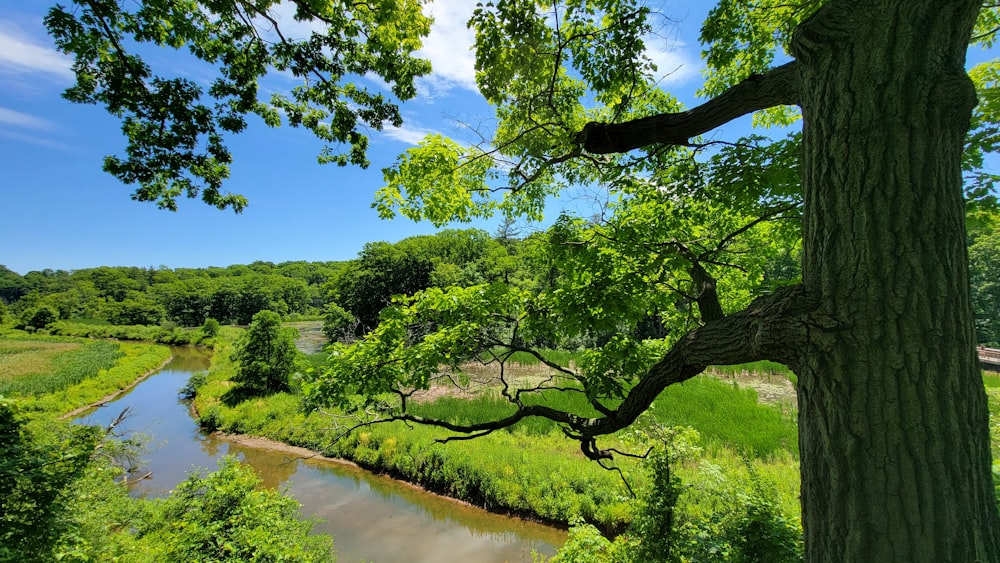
{"x":706,"y":295}
{"x":779,"y":86}
{"x":770,"y":328}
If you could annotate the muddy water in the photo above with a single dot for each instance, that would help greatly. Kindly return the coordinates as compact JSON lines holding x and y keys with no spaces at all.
{"x":371,"y":517}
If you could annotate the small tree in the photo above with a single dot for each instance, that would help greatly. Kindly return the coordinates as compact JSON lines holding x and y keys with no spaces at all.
{"x":40,"y":317}
{"x":210,"y":328}
{"x":338,"y":323}
{"x":265,"y":355}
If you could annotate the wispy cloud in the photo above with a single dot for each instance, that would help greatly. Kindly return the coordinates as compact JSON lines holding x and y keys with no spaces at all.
{"x":24,"y":120}
{"x":36,"y":140}
{"x":24,"y":53}
{"x":407,"y":134}
{"x":674,"y":64}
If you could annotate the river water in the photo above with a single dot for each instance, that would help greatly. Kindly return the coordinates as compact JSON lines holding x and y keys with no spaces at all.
{"x":371,"y":517}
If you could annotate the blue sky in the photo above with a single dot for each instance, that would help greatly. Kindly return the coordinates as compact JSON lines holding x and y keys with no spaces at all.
{"x":58,"y":209}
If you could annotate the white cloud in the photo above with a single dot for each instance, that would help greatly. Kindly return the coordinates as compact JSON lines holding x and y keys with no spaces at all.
{"x":674,"y":65}
{"x":24,"y":120}
{"x":36,"y":140}
{"x":406,"y":134}
{"x":449,"y":48}
{"x":22,"y":54}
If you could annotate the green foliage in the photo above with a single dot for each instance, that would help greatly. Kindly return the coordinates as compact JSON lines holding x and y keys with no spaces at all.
{"x":210,"y":327}
{"x":984,"y":277}
{"x":586,"y":544}
{"x":56,"y":372}
{"x":163,"y":334}
{"x":38,"y":466}
{"x":655,"y":522}
{"x":38,"y":317}
{"x":12,"y":286}
{"x":176,"y":129}
{"x":338,"y":324}
{"x":136,"y":309}
{"x":60,"y":502}
{"x":265,"y":355}
{"x":225,"y":516}
{"x":744,"y":524}
{"x":719,"y":516}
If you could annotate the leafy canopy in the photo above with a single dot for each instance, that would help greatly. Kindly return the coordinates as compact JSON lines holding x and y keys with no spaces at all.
{"x":265,"y":355}
{"x":176,"y":130}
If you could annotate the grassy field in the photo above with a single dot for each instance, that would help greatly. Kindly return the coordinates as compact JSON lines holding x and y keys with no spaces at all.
{"x":32,"y":366}
{"x":55,"y":375}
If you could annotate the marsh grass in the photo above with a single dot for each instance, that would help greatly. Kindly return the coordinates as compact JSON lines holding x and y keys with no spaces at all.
{"x":725,"y":415}
{"x":19,"y":358}
{"x":36,"y":367}
{"x":762,"y":367}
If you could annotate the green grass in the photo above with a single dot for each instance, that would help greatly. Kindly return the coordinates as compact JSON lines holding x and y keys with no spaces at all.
{"x":52,"y":365}
{"x":55,"y":375}
{"x":730,"y":416}
{"x":561,"y":357}
{"x":725,"y":415}
{"x":991,"y":379}
{"x":762,"y":367}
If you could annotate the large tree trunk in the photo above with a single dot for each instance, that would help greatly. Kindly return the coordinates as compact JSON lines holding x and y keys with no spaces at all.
{"x":893,"y":422}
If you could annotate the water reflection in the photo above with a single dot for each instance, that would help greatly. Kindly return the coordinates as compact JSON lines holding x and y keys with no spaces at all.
{"x":371,"y":517}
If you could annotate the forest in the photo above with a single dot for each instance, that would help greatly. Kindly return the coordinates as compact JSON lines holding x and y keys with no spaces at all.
{"x":53,"y":301}
{"x":851,"y":240}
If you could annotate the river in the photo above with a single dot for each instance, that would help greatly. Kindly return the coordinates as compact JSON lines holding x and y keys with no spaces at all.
{"x":371,"y":517}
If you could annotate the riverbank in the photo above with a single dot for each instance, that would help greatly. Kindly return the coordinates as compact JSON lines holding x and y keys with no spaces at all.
{"x":117,"y":393}
{"x":303,"y":454}
{"x":531,"y":471}
{"x":136,"y":362}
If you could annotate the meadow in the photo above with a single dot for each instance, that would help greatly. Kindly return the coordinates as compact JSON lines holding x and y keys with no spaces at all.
{"x":55,"y":375}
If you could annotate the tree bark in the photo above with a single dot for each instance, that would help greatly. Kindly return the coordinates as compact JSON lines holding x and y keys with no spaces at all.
{"x":893,"y":424}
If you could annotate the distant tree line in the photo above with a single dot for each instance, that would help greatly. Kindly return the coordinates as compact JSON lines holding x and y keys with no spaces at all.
{"x":349,"y":295}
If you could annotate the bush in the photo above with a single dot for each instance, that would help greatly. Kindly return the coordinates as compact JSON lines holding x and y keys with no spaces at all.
{"x":39,"y":317}
{"x":338,"y":324}
{"x":226,"y":517}
{"x":37,"y":468}
{"x":210,"y":328}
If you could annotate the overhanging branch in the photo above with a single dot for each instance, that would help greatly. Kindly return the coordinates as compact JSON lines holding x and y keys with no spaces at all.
{"x":779,"y":86}
{"x":770,"y":328}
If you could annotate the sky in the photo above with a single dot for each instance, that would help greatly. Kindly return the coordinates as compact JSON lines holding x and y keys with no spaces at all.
{"x":58,"y":210}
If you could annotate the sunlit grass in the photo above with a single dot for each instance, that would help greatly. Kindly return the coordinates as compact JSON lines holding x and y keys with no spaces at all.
{"x":19,"y":358}
{"x":35,"y":367}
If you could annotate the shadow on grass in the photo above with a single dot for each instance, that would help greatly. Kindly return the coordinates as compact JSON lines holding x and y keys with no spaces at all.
{"x":240,"y":393}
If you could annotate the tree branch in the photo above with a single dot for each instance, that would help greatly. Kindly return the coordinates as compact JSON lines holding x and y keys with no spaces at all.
{"x":770,"y":328}
{"x":779,"y":86}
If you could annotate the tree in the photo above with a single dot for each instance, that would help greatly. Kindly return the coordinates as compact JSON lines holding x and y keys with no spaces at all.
{"x":338,"y":324}
{"x":265,"y":355}
{"x":894,"y":435}
{"x":12,"y":286}
{"x":38,"y":466}
{"x":176,"y":132}
{"x":984,"y":266}
{"x":39,"y":317}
